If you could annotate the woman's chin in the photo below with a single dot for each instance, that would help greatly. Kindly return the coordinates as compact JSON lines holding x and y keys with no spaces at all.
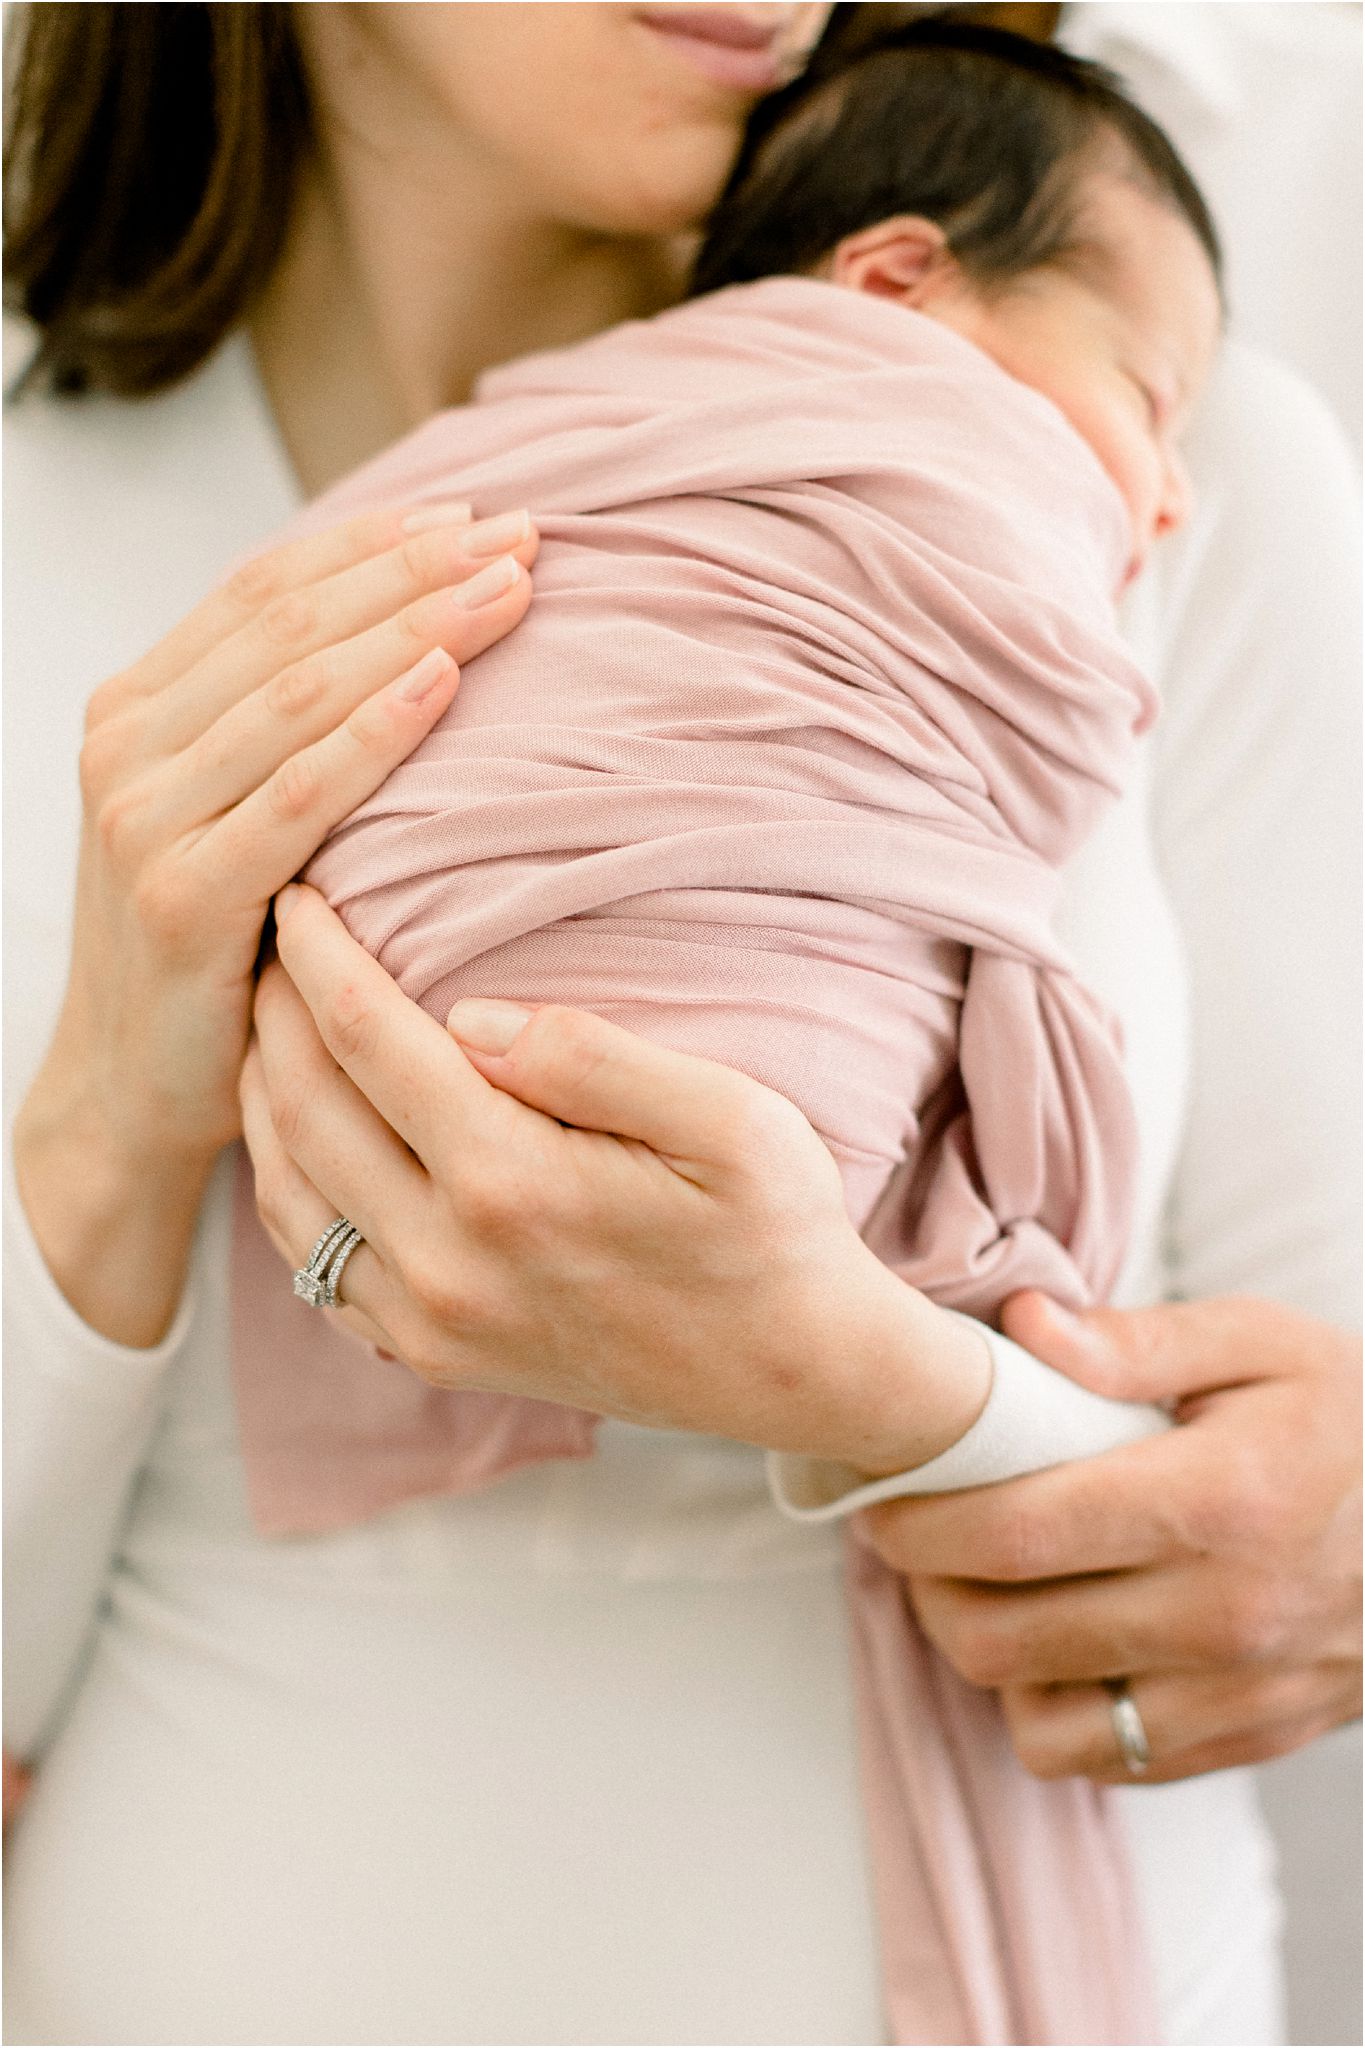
{"x":662,"y":193}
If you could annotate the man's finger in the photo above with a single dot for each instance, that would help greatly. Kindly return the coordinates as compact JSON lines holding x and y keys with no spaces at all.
{"x":1116,"y":1512}
{"x":1163,"y":1353}
{"x":1068,"y":1730}
{"x":1112,"y":1625}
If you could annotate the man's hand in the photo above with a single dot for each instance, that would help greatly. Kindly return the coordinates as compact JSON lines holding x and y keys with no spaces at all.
{"x":1216,"y":1568}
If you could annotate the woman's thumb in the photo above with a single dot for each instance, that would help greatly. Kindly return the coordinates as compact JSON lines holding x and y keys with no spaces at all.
{"x":584,"y":1071}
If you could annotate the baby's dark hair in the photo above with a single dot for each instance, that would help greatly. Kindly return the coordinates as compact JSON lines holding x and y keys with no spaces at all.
{"x":977,"y":129}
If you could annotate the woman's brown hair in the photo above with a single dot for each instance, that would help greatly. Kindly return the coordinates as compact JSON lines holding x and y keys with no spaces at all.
{"x":150,"y":158}
{"x":151,"y":153}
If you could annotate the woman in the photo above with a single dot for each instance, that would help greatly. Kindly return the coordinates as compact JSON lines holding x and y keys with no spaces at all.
{"x":479,"y":1795}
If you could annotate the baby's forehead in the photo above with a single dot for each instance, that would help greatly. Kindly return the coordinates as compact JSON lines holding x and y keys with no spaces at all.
{"x":1135,"y":247}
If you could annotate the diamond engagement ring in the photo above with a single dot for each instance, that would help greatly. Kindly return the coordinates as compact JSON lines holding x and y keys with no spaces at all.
{"x":1129,"y":1732}
{"x":316,"y":1280}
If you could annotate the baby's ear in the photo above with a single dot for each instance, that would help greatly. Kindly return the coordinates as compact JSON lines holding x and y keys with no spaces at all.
{"x":905,"y":258}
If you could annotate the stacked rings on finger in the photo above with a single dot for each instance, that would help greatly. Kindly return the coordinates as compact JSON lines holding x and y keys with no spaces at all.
{"x":1129,"y":1732}
{"x":316,"y":1281}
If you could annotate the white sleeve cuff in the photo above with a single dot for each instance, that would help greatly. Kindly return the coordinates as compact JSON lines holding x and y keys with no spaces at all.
{"x":1034,"y":1416}
{"x":41,"y":1320}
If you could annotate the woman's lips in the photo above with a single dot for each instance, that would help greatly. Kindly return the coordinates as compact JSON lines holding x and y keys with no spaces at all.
{"x":721,"y":44}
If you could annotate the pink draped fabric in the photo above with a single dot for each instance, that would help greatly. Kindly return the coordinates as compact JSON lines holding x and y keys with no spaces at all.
{"x":820,"y":687}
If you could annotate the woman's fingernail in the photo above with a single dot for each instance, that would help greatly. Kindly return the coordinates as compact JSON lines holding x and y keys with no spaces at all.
{"x":285,"y":902}
{"x":487,"y":1026}
{"x":424,"y":675}
{"x":427,"y":516}
{"x":496,"y":536}
{"x":494,"y":581}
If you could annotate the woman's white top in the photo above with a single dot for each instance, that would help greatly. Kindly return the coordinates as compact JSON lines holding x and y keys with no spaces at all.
{"x":573,"y":1760}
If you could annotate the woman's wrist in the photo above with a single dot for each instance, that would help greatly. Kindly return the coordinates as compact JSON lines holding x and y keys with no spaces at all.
{"x":113,"y":1220}
{"x":918,"y":1376}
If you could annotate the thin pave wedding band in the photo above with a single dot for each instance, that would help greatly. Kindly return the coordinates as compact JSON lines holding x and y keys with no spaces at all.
{"x":315,"y":1280}
{"x":337,"y":1265}
{"x":1129,"y":1732}
{"x":308,"y":1283}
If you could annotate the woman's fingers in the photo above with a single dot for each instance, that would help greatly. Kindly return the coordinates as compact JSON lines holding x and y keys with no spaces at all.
{"x":399,"y":1058}
{"x":270,"y":835}
{"x":332,"y":1135}
{"x":294,"y":627}
{"x":295,"y":1213}
{"x":1192,"y":1720}
{"x":304,"y":703}
{"x":288,"y":1204}
{"x":268,"y":576}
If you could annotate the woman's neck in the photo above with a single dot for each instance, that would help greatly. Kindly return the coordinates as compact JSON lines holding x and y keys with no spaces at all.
{"x":391,"y":297}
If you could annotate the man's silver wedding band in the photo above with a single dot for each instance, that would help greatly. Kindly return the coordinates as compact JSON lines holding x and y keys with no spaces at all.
{"x":1129,"y":1732}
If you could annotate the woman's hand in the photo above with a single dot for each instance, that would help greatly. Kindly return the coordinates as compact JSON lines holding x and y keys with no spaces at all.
{"x":211,"y":771}
{"x":1216,"y":1567}
{"x":679,"y":1255}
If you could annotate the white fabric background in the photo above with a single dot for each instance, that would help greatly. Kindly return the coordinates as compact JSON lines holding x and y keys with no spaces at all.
{"x":1264,"y":102}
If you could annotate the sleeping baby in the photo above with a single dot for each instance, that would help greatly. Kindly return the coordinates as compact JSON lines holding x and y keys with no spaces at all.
{"x":820,"y":688}
{"x":822,"y":683}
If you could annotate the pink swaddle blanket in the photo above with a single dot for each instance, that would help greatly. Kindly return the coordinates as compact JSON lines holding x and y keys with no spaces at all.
{"x":819,"y":688}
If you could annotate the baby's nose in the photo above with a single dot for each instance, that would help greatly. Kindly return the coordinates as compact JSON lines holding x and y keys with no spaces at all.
{"x":1177,"y":497}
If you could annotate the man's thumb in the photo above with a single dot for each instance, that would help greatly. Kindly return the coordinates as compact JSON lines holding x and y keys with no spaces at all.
{"x":1162,"y":1353}
{"x":1104,"y":1349}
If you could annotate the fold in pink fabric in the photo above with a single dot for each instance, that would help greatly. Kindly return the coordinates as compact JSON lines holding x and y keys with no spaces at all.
{"x":820,"y":686}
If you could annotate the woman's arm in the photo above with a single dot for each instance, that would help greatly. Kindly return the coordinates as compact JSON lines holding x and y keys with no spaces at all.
{"x":79,"y":1412}
{"x":212,"y":769}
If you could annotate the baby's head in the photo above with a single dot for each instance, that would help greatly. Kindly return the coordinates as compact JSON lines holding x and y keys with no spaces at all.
{"x":1013,"y":192}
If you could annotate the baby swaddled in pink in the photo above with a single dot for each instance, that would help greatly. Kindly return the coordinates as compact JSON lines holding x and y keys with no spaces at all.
{"x":820,"y":687}
{"x":809,"y":706}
